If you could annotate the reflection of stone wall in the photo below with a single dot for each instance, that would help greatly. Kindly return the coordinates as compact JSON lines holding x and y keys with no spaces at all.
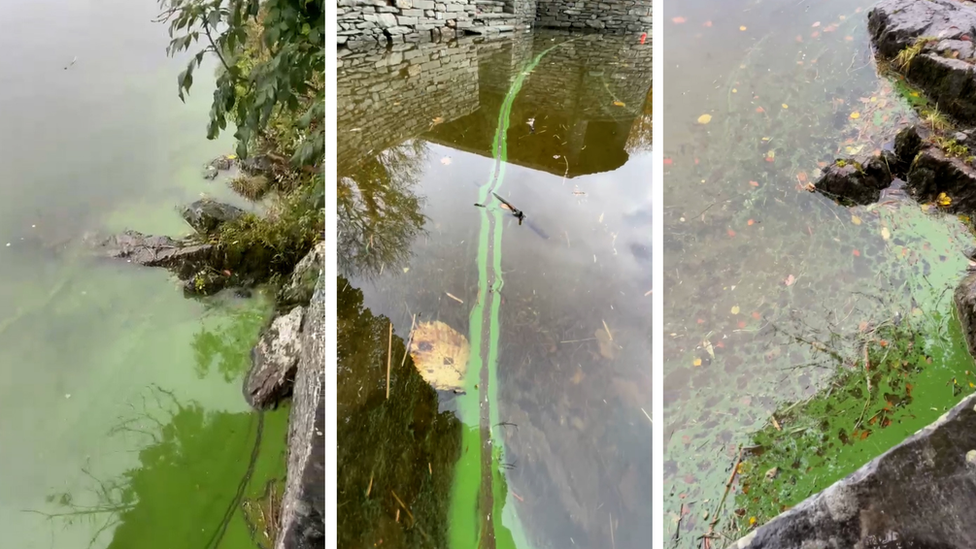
{"x":609,"y":15}
{"x":385,"y":99}
{"x":594,"y":71}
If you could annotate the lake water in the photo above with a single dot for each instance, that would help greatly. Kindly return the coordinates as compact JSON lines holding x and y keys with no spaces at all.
{"x":550,"y":444}
{"x":124,"y":423}
{"x":769,"y":289}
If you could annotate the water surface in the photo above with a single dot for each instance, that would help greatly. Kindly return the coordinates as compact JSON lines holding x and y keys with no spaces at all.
{"x":767,"y":284}
{"x":124,"y":424}
{"x":556,"y":308}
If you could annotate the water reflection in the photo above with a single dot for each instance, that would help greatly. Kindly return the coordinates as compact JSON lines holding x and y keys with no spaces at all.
{"x":566,"y":407}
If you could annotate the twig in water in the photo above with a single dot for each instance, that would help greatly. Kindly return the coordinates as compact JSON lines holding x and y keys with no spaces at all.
{"x":389,"y":356}
{"x":409,"y":514}
{"x":406,"y":350}
{"x":454,"y":297}
{"x":607,"y":329}
{"x":728,"y":486}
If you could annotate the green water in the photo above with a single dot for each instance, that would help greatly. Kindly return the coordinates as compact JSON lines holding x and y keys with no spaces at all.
{"x":125,"y":425}
{"x":769,"y":290}
{"x":554,"y":433}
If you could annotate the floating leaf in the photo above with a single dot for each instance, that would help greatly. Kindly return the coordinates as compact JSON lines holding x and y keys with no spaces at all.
{"x":754,"y":183}
{"x":885,"y":233}
{"x":855,"y":115}
{"x":438,"y":120}
{"x":678,"y":20}
{"x":815,"y":25}
{"x":742,"y":28}
{"x":735,"y":310}
{"x":785,"y":106}
{"x":943,"y":200}
{"x":696,"y":362}
{"x":704,"y":119}
{"x":790,"y":280}
{"x":619,"y":104}
{"x":855,"y":220}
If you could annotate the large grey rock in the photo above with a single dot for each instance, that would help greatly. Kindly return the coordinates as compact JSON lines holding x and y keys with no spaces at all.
{"x":934,"y":172}
{"x":854,"y":181}
{"x":206,"y":216}
{"x":301,"y":285}
{"x":920,"y":494}
{"x":182,"y":257}
{"x":303,"y":504}
{"x":274,"y":361}
{"x":944,"y":67}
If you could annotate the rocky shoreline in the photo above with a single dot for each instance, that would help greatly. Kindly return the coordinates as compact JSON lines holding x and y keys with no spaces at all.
{"x":288,"y":362}
{"x":921,"y":492}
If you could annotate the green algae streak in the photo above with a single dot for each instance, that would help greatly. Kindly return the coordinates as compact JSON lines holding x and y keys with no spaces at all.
{"x":466,"y":519}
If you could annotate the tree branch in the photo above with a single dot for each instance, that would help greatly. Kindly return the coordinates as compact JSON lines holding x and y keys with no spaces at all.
{"x":206,"y":30}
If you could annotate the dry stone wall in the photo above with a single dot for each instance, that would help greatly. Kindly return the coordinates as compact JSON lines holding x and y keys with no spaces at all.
{"x":384,"y":99}
{"x":370,"y":23}
{"x":617,"y":16}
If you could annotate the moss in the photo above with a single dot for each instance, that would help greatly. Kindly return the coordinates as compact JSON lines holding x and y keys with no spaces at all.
{"x":841,"y":163}
{"x":952,"y":148}
{"x":251,"y":187}
{"x":904,"y":58}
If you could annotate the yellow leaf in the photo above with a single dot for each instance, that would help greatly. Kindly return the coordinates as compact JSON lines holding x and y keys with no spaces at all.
{"x":943,"y":199}
{"x":735,"y":310}
{"x":696,"y":362}
{"x":885,"y":233}
{"x":704,"y":119}
{"x":785,"y":106}
{"x":855,"y":115}
{"x":231,"y":156}
{"x":735,"y":90}
{"x":752,"y":521}
{"x":619,"y":104}
{"x":855,"y":220}
{"x":925,"y":207}
{"x":742,"y":28}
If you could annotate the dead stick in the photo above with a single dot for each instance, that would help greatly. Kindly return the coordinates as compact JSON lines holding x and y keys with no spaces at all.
{"x":728,"y":486}
{"x":389,"y":356}
{"x":406,"y":351}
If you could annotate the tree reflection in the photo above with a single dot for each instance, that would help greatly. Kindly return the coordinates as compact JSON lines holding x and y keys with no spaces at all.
{"x":378,"y":213}
{"x":400,"y":445}
{"x":640,"y":139}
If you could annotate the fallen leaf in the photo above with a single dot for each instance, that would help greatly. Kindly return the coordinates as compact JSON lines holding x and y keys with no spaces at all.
{"x":668,"y":161}
{"x":708,"y":348}
{"x":760,"y":109}
{"x":438,"y":120}
{"x":704,"y":119}
{"x":696,"y":362}
{"x":785,"y":106}
{"x":815,"y":25}
{"x":790,"y":280}
{"x":943,"y":200}
{"x":678,"y":20}
{"x":731,"y":233}
{"x":619,"y":104}
{"x":735,"y":310}
{"x":857,"y":253}
{"x":801,"y":177}
{"x":885,"y":233}
{"x":742,"y":28}
{"x":855,"y":220}
{"x":756,"y":315}
{"x":814,"y":34}
{"x":855,"y":115}
{"x":707,"y":24}
{"x":750,"y":222}
{"x":754,"y":183}
{"x":446,"y":160}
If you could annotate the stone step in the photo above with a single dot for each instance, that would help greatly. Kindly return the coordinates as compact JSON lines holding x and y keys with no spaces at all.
{"x":500,"y":17}
{"x":481,"y":4}
{"x":489,"y":29}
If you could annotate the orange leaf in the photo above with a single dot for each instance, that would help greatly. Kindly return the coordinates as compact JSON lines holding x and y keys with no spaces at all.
{"x":760,"y":109}
{"x":754,"y":183}
{"x":802,"y":176}
{"x":731,"y":233}
{"x":707,"y":24}
{"x":668,"y":161}
{"x":814,"y":34}
{"x":857,"y":253}
{"x":756,"y":315}
{"x":742,"y":324}
{"x":678,"y":20}
{"x":750,"y":222}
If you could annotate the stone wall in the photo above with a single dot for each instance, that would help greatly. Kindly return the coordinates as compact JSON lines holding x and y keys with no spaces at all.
{"x":384,"y":99}
{"x":371,"y":23}
{"x":607,"y":15}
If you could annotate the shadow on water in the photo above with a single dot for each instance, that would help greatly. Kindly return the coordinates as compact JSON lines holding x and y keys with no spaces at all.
{"x":560,"y":451}
{"x":773,"y":293}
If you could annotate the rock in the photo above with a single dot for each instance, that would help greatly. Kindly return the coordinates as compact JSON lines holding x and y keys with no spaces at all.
{"x":182,"y":257}
{"x":896,"y":24}
{"x":919,"y":494}
{"x":965,"y":298}
{"x":206,"y":216}
{"x":210,"y":172}
{"x":300,"y":287}
{"x":850,"y":180}
{"x":257,"y":164}
{"x":907,"y":145}
{"x":933,"y":172}
{"x":274,"y":361}
{"x":303,"y":503}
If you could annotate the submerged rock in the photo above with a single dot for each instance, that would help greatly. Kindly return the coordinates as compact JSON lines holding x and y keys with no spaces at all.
{"x":920,"y":494}
{"x":934,"y":172}
{"x":183,"y":257}
{"x":303,"y":504}
{"x":936,"y":36}
{"x":852,"y":181}
{"x":206,"y":216}
{"x":274,"y":361}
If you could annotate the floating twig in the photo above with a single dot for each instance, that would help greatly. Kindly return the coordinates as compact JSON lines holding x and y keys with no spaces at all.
{"x":607,"y":329}
{"x":454,"y":297}
{"x":389,"y":357}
